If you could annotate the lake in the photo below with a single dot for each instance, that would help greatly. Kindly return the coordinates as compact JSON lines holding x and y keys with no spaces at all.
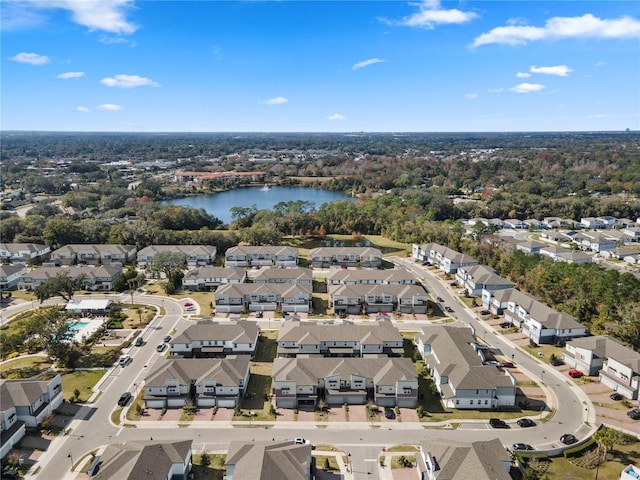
{"x":220,"y":204}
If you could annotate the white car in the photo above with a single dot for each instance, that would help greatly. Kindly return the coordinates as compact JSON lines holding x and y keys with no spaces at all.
{"x":301,"y":441}
{"x":124,"y":360}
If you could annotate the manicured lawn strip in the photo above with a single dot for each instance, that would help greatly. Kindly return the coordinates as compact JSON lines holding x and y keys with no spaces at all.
{"x":99,"y":357}
{"x":267,"y":346}
{"x":320,"y":462}
{"x":25,"y":367}
{"x":81,"y":380}
{"x":216,"y":470}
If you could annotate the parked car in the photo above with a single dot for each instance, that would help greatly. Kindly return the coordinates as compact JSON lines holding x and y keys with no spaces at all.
{"x":556,"y":362}
{"x":615,"y":396}
{"x":485,"y":312}
{"x":124,"y":399}
{"x":301,"y":441}
{"x":521,"y":446}
{"x":139,"y":341}
{"x":389,"y":413}
{"x":160,"y":347}
{"x":573,"y":373}
{"x":526,"y":422}
{"x":634,"y":414}
{"x":568,"y":439}
{"x":190,"y":309}
{"x":166,"y":338}
{"x":507,"y":365}
{"x":498,"y":423}
{"x":259,"y":314}
{"x":505,"y":325}
{"x":188,"y":304}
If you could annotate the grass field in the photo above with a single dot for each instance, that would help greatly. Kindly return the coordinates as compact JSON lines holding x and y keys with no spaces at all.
{"x":24,"y":367}
{"x":216,"y":470}
{"x":84,"y":381}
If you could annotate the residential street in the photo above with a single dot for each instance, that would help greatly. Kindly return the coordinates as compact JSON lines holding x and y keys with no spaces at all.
{"x":92,"y":429}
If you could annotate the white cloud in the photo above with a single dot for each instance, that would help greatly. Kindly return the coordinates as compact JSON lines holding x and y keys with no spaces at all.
{"x":335,"y":117}
{"x":471,"y":96}
{"x":600,"y":64}
{"x":366,"y":63}
{"x":30,"y":58}
{"x":431,"y":13}
{"x":523,"y":75}
{"x":110,"y":107}
{"x":68,"y":75}
{"x":82,"y":109}
{"x":559,"y":70}
{"x":527,"y":87}
{"x":128,"y":81}
{"x":586,"y":26}
{"x":276,"y":101}
{"x":106,"y":15}
{"x":495,"y":90}
{"x":109,"y":40}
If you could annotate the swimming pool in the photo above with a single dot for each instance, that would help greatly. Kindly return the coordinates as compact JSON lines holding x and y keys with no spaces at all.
{"x":77,"y":326}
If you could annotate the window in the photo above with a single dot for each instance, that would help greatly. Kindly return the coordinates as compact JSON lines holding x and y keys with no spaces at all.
{"x":457,"y":402}
{"x":486,"y":402}
{"x":470,"y":402}
{"x":477,"y":392}
{"x":172,"y":389}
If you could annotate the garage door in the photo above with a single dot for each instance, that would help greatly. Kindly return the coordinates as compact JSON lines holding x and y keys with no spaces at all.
{"x":227,"y":403}
{"x":175,"y":402}
{"x":206,"y":402}
{"x":155,"y":403}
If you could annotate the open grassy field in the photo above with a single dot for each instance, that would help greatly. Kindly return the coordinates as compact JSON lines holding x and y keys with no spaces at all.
{"x":84,"y":381}
{"x":24,"y":367}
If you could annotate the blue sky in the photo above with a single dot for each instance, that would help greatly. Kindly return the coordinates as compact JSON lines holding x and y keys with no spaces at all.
{"x":305,"y":66}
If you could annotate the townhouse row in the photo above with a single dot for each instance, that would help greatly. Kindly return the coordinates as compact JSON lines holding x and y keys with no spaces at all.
{"x":196,"y":255}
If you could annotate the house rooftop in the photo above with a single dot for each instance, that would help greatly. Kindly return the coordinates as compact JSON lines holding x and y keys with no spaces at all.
{"x":244,"y":331}
{"x":269,"y":460}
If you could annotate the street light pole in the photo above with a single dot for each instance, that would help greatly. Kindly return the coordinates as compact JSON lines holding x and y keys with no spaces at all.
{"x":70,"y":458}
{"x":350,"y":467}
{"x":542,"y":377}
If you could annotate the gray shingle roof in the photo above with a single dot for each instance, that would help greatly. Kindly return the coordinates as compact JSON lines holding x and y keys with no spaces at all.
{"x":20,"y":393}
{"x":226,"y":371}
{"x":604,"y":346}
{"x":313,"y":332}
{"x":307,"y":371}
{"x":482,"y":460}
{"x":141,"y":459}
{"x":454,"y":357}
{"x":237,"y":332}
{"x":269,"y":460}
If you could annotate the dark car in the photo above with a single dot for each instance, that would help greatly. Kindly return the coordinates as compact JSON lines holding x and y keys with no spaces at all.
{"x":124,"y":399}
{"x":440,"y":299}
{"x":11,"y":473}
{"x":556,"y":362}
{"x":526,"y":422}
{"x":505,"y":325}
{"x":568,"y":439}
{"x":485,"y":312}
{"x":615,"y":396}
{"x":634,"y":414}
{"x":498,"y":423}
{"x":507,"y":365}
{"x":521,"y":446}
{"x":448,"y":309}
{"x":389,"y":413}
{"x":166,"y":338}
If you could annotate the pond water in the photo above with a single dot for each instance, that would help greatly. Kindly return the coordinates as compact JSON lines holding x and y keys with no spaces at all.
{"x":220,"y":204}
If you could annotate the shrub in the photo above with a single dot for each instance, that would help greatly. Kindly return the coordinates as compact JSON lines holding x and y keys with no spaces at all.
{"x":205,"y":460}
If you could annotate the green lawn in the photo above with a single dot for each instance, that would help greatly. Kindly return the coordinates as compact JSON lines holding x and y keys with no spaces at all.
{"x":622,"y":455}
{"x":216,"y":470}
{"x":24,"y":367}
{"x":83,"y":381}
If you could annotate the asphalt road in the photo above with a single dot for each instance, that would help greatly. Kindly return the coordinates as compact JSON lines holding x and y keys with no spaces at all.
{"x":91,"y":428}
